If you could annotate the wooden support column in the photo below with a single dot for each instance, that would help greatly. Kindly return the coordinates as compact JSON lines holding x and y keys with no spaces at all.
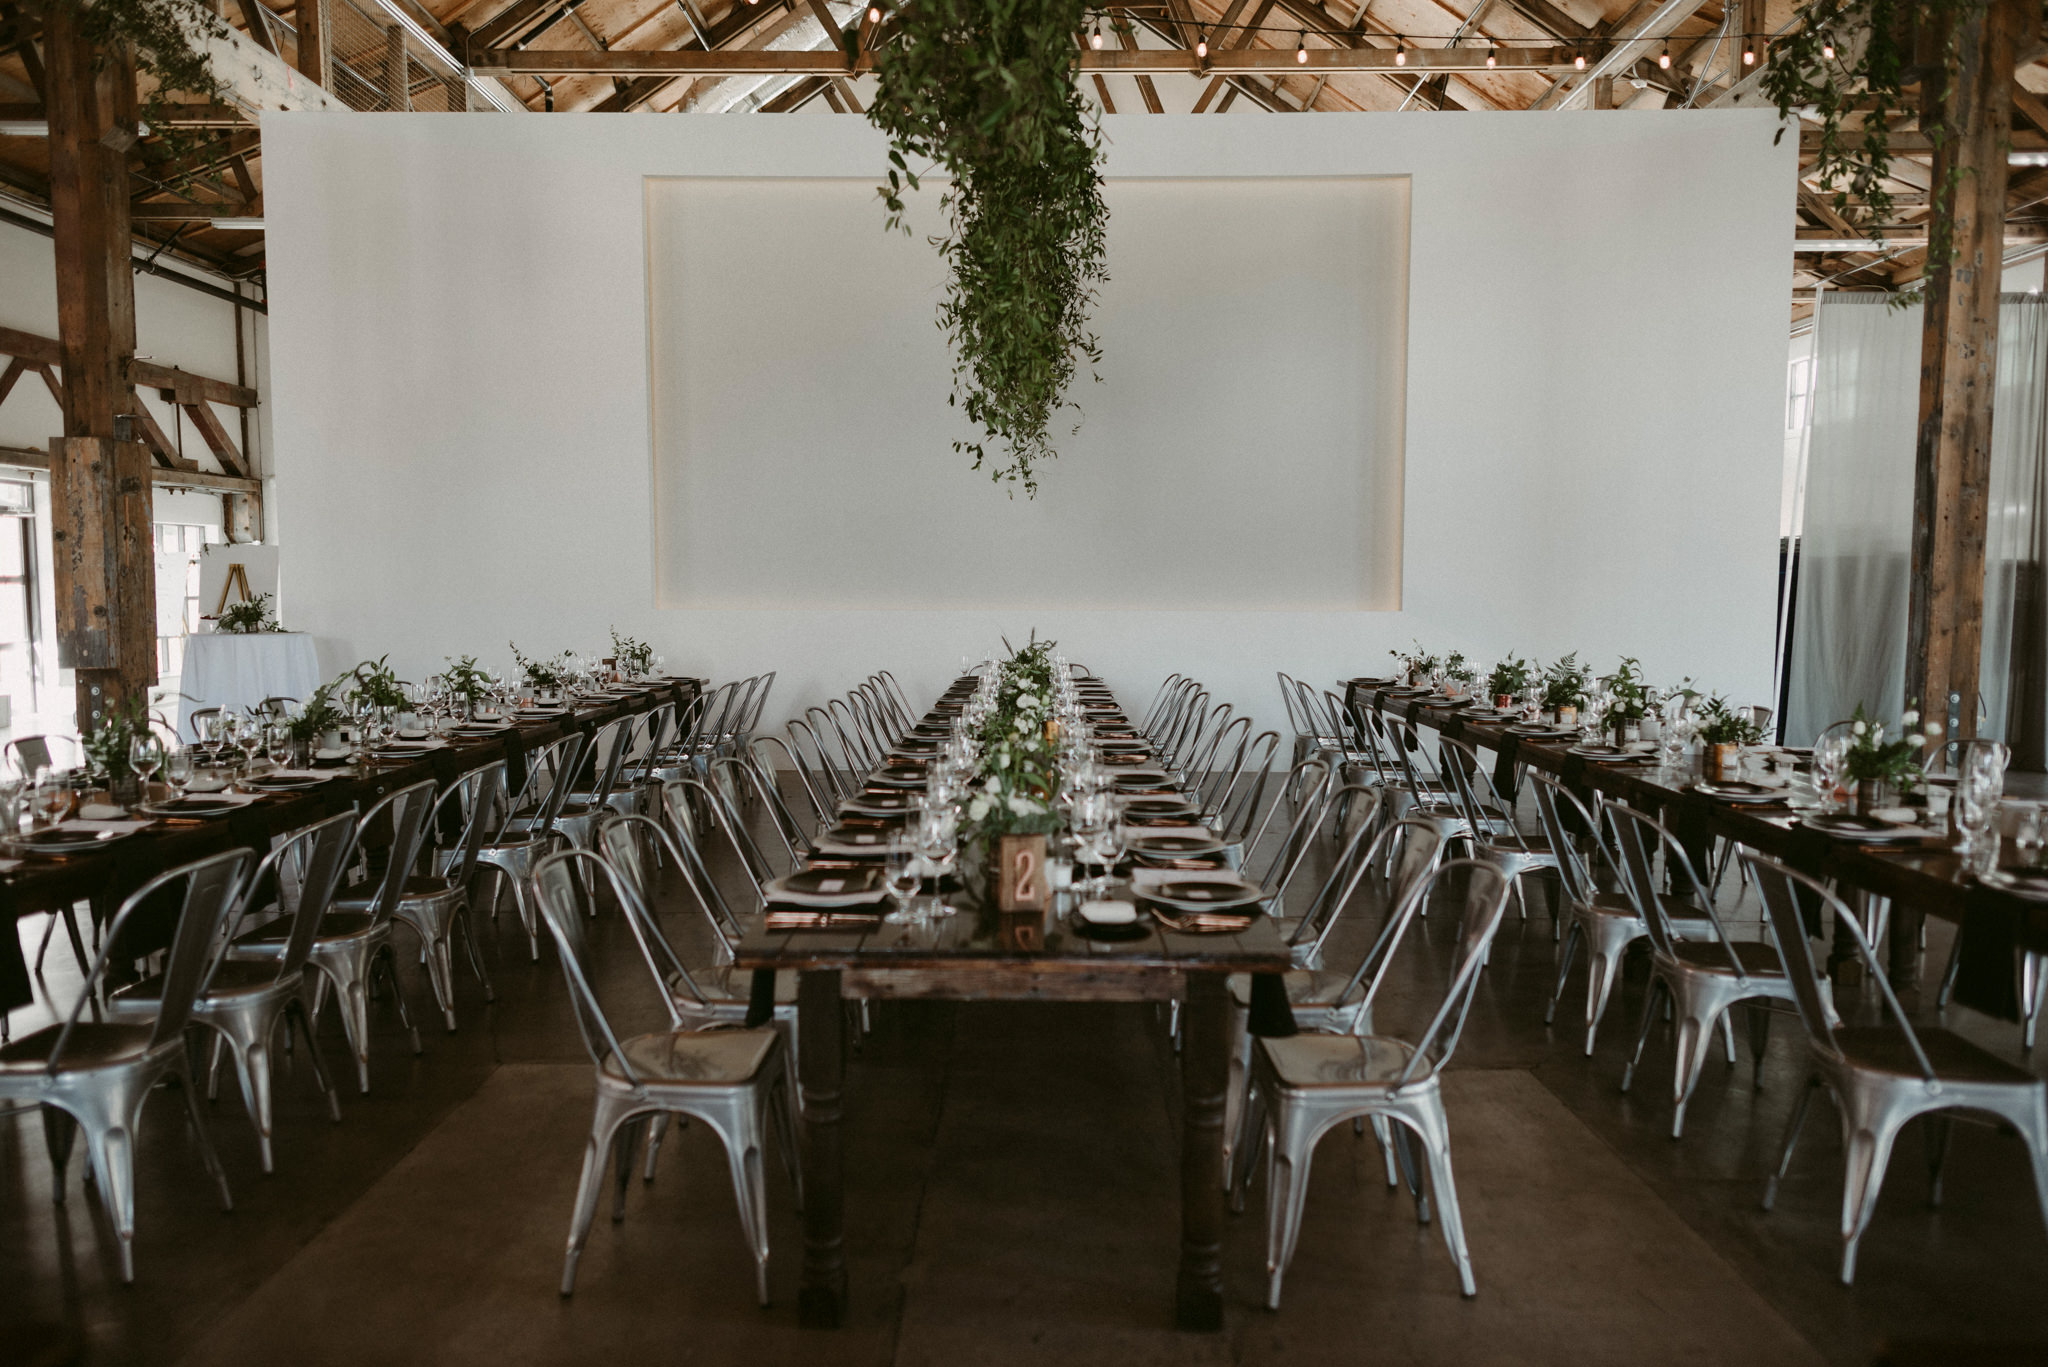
{"x":105,"y":571}
{"x":316,"y":42}
{"x":1958,"y":365}
{"x":397,"y":79}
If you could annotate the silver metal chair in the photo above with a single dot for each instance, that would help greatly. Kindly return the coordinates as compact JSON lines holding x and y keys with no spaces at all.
{"x":1702,"y":978}
{"x":1491,"y":831}
{"x":528,"y":830}
{"x":1302,"y":1086}
{"x":245,"y":1001}
{"x":1605,"y":923}
{"x":733,"y":1081}
{"x":96,"y":1074}
{"x":1883,"y":1076}
{"x":435,"y":903}
{"x":353,"y":944}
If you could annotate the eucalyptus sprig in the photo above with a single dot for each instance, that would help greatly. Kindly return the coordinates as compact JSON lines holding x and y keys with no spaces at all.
{"x":984,"y":89}
{"x":377,"y":683}
{"x":548,"y":674}
{"x":466,"y":679}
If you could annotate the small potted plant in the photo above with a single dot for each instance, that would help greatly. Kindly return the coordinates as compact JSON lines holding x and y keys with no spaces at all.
{"x":1629,"y":700}
{"x":1507,"y":681}
{"x":376,"y":683}
{"x":249,"y":617}
{"x":109,"y":751}
{"x":317,"y":727}
{"x":543,"y":678}
{"x":467,"y":680}
{"x":634,"y":658}
{"x":1459,"y":676}
{"x":1883,"y":770}
{"x":1565,"y":686}
{"x":1723,"y":731}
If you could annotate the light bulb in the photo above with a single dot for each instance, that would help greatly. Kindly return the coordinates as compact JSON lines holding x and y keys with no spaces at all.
{"x":1301,"y":51}
{"x":1579,"y":62}
{"x":1827,"y":49}
{"x":1400,"y":53}
{"x":1664,"y":60}
{"x":1202,"y":44}
{"x":874,"y":14}
{"x":1491,"y":48}
{"x":1748,"y":54}
{"x":1095,"y":38}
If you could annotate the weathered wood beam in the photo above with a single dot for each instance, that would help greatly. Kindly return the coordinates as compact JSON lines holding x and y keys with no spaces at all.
{"x":179,"y":386}
{"x":259,"y":27}
{"x":105,"y":564}
{"x":1243,"y":62}
{"x":22,"y":458}
{"x":1147,"y":91}
{"x":217,"y":439}
{"x":316,"y":42}
{"x":154,"y":437}
{"x":1958,"y":367}
{"x":16,"y":368}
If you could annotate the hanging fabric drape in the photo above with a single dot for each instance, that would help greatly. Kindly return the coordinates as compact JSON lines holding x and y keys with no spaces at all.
{"x":1849,"y":641}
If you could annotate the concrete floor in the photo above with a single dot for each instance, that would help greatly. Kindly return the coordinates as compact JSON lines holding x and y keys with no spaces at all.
{"x":1012,"y":1198}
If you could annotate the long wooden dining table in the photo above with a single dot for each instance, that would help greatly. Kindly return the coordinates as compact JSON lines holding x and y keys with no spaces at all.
{"x":983,"y":954}
{"x":44,"y":884}
{"x":1929,"y":879}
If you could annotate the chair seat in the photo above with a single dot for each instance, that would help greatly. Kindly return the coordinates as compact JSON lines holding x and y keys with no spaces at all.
{"x":1610,"y":904}
{"x":710,"y":1057}
{"x":340,"y":923}
{"x":1882,"y":1049}
{"x":93,"y":1044}
{"x":1305,"y":987}
{"x":1309,"y":1061}
{"x":1758,"y":960}
{"x":234,"y":978}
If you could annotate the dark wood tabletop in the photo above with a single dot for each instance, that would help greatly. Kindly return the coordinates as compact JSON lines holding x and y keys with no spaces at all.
{"x":106,"y":876}
{"x":1920,"y":880}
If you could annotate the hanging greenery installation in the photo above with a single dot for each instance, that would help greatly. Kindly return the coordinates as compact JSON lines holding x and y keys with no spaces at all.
{"x":166,"y":38}
{"x":983,"y":90}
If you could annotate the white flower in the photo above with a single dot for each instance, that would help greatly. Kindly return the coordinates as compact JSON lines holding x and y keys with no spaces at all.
{"x":978,"y":808}
{"x":1916,"y":741}
{"x":1028,"y":702}
{"x":1858,"y":728}
{"x":1908,"y":717}
{"x":991,"y":787}
{"x":1023,"y":806}
{"x":1933,"y":729}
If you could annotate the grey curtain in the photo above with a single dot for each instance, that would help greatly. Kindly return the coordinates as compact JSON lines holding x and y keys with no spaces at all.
{"x":1849,"y":635}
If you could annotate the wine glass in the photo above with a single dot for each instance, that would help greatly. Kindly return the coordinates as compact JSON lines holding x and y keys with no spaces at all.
{"x":2028,"y":837}
{"x":52,"y":799}
{"x":899,"y":877}
{"x":249,"y":738}
{"x":178,"y":770}
{"x":145,"y":754}
{"x":278,"y":744}
{"x":937,"y":825}
{"x":1830,"y":764}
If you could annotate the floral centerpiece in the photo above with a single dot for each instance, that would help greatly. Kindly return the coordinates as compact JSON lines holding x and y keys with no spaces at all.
{"x":1416,"y":665}
{"x":320,"y":715}
{"x":551,"y":675}
{"x":1565,"y":686}
{"x":109,"y":746}
{"x":1459,"y":674}
{"x":376,"y":683}
{"x":1017,"y":774}
{"x":249,"y":617}
{"x":632,"y":657}
{"x":466,"y":680}
{"x":1723,"y":730}
{"x":1508,"y":680}
{"x":1880,"y":767}
{"x":1627,"y":698}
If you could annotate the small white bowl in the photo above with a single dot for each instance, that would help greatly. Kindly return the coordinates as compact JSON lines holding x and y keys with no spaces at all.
{"x":1108,"y":913}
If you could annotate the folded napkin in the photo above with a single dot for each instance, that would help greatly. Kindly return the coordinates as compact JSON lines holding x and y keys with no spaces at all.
{"x":1144,"y":880}
{"x":101,"y":811}
{"x":1202,"y":831}
{"x":859,"y":842}
{"x":319,"y":775}
{"x":95,"y":827}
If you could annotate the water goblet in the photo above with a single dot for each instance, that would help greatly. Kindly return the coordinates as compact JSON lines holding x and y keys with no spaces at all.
{"x":2028,"y":836}
{"x":899,"y":878}
{"x":52,"y":798}
{"x":178,"y":770}
{"x":145,"y":754}
{"x":278,"y":744}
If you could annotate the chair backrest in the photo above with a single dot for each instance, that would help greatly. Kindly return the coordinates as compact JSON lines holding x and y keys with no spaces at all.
{"x":550,"y":778}
{"x":277,"y":706}
{"x":622,"y":840}
{"x":200,"y":716}
{"x":1638,"y":838}
{"x":1780,"y":889}
{"x":752,"y":717}
{"x":473,"y":797}
{"x":1306,"y":784}
{"x":848,"y":767}
{"x":1486,"y":899}
{"x":1159,"y":702}
{"x":30,"y":754}
{"x":654,"y":737}
{"x":744,"y":776}
{"x":609,"y":747}
{"x":765,"y":749}
{"x":1237,"y":806}
{"x":1316,"y":805}
{"x":1422,"y":850}
{"x":1475,"y":796}
{"x":1342,"y":880}
{"x":556,"y":884}
{"x":830,"y":785}
{"x":303,"y":869}
{"x":1290,"y":698}
{"x":407,"y":811}
{"x":737,"y":704}
{"x":206,"y":890}
{"x":677,"y":795}
{"x":1553,"y":800}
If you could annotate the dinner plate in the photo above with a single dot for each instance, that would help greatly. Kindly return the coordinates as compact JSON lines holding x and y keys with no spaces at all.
{"x":1541,"y":732}
{"x":1738,"y":791}
{"x":58,"y":840}
{"x":900,"y":775}
{"x":1863,"y":828}
{"x":878,"y":804}
{"x":1125,"y":759}
{"x":263,"y":784}
{"x":1602,"y":752}
{"x":189,"y":807}
{"x":1203,"y":894}
{"x":826,"y":887}
{"x":1110,"y":932}
{"x":1172,"y":846}
{"x":2023,"y":882}
{"x":1157,"y":806}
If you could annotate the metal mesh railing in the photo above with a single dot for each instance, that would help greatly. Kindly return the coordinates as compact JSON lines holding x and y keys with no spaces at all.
{"x":376,"y":64}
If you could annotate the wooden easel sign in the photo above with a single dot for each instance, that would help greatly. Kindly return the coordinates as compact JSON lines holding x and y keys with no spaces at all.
{"x":237,"y":572}
{"x":236,"y":586}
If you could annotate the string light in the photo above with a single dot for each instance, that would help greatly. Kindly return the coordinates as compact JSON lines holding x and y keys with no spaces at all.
{"x":1578,"y":61}
{"x":1827,"y":48}
{"x":1748,"y":53}
{"x":1400,"y":53}
{"x":1095,"y":37}
{"x":1491,"y":48}
{"x":1202,"y":44}
{"x":1301,"y":50}
{"x":1664,"y":60}
{"x":874,"y":14}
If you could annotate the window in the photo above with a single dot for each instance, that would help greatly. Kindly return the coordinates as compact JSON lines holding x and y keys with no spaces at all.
{"x":1798,"y":394}
{"x":19,"y":629}
{"x":177,"y":590}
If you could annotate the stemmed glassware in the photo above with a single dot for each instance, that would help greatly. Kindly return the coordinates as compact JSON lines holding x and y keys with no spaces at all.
{"x":1830,"y":766}
{"x":145,"y":754}
{"x":278,"y":738}
{"x":938,"y":826}
{"x":52,"y":798}
{"x":178,"y":769}
{"x":899,"y":877}
{"x":2028,"y":837}
{"x":1978,"y":789}
{"x":1094,"y":824}
{"x":249,"y":738}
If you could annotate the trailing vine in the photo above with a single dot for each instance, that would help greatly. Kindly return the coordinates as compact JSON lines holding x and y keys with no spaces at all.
{"x":984,"y":89}
{"x":1859,"y":57}
{"x":164,"y":36}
